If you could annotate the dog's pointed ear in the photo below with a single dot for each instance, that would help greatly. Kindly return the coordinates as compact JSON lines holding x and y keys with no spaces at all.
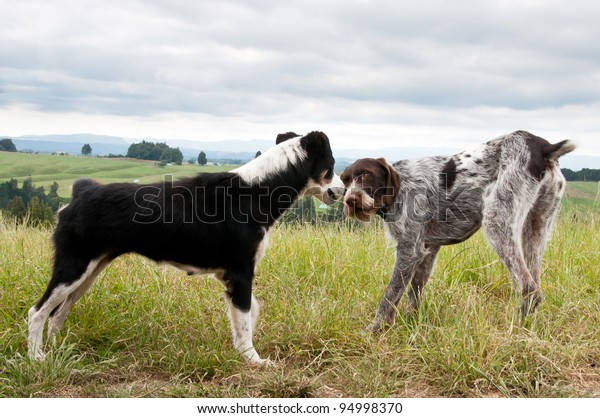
{"x":392,"y":183}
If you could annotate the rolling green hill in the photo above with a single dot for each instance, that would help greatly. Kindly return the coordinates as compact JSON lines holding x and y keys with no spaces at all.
{"x":583,"y":194}
{"x":46,"y":169}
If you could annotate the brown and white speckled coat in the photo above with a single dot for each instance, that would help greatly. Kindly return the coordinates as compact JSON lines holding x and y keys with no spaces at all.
{"x":511,"y":185}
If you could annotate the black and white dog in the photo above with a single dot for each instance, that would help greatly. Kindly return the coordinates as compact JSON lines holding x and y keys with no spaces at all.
{"x":511,"y":185}
{"x":213,"y":223}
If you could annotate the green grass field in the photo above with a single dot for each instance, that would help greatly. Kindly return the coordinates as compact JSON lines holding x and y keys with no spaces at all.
{"x":582,"y":194}
{"x":150,"y":331}
{"x":46,"y":169}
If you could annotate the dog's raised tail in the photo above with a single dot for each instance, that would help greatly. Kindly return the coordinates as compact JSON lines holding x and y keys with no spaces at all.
{"x":555,"y":151}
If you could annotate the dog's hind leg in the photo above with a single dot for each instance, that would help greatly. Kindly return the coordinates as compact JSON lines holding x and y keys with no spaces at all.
{"x":540,"y":222}
{"x":68,"y":275}
{"x":505,"y":211}
{"x":420,"y":278}
{"x":59,"y":314}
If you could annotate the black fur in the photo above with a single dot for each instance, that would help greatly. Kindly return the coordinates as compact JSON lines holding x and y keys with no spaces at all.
{"x":284,"y":137}
{"x":448,"y":175}
{"x":213,"y":220}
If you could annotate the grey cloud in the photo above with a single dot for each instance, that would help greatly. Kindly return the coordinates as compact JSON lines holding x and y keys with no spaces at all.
{"x":230,"y":57}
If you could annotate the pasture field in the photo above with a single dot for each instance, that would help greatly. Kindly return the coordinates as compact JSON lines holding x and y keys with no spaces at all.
{"x":150,"y":331}
{"x":583,"y":194}
{"x":64,"y":169}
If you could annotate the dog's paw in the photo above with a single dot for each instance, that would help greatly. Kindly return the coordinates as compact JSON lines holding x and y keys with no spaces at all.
{"x":37,"y":355}
{"x":375,"y":327}
{"x":529,"y":305}
{"x":262,"y":363}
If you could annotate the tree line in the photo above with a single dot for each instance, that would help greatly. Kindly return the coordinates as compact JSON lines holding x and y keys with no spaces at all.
{"x":586,"y":174}
{"x":146,"y":150}
{"x":30,"y":204}
{"x":6,"y":144}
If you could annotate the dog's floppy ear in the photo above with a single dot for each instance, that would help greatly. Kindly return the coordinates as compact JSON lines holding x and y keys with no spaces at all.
{"x":392,"y":183}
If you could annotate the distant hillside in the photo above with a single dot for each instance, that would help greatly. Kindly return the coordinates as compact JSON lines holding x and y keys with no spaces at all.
{"x":46,"y":169}
{"x":105,"y":145}
{"x":242,"y":150}
{"x":101,"y":145}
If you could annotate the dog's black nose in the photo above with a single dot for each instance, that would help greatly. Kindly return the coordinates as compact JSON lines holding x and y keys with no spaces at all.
{"x":335,"y":192}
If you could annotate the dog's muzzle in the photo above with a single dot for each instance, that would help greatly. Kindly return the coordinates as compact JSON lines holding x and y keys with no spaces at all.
{"x":359,"y":205}
{"x":334,"y":193}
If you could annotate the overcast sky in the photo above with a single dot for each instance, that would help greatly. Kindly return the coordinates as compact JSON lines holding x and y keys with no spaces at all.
{"x":367,"y":73}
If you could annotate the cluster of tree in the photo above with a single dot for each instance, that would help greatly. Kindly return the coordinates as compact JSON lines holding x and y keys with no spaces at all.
{"x":6,"y":144}
{"x":586,"y":174}
{"x":202,"y":158}
{"x":155,"y":152}
{"x":29,"y":203}
{"x":86,"y":149}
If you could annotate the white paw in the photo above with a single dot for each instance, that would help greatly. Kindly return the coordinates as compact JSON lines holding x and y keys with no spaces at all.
{"x":37,"y":355}
{"x":262,"y":363}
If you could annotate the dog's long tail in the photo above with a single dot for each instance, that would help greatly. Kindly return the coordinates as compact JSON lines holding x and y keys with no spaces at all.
{"x":555,"y":151}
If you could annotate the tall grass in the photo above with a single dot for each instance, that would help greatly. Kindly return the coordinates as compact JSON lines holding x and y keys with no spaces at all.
{"x":145,"y":330}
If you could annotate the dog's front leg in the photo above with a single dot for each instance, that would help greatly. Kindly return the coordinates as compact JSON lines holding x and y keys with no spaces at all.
{"x":241,"y":327}
{"x":243,"y":313}
{"x":404,"y":268}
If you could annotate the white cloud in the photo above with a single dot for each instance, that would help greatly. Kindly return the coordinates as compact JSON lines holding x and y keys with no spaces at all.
{"x":369,"y":73}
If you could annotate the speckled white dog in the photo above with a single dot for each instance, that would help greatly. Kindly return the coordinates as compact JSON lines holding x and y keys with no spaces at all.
{"x":511,"y":185}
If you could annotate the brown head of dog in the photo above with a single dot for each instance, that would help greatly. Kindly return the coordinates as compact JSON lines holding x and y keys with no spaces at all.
{"x":371,"y":188}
